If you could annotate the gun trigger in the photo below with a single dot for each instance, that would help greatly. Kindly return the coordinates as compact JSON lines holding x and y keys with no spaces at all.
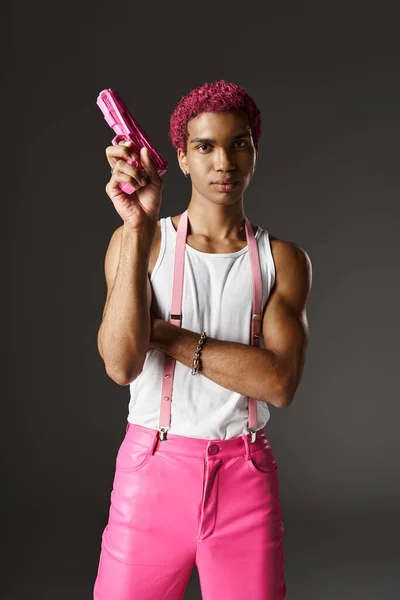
{"x":118,"y":138}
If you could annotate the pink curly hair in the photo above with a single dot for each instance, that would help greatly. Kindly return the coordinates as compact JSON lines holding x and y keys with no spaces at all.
{"x":219,"y":96}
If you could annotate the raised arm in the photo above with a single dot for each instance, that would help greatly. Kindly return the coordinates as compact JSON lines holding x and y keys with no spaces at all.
{"x":125,"y":329}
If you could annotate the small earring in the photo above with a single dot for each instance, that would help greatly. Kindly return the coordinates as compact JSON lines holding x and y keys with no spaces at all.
{"x":187,"y":174}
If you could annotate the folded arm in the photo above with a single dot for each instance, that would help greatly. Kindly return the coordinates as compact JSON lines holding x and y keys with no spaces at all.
{"x":270,"y":374}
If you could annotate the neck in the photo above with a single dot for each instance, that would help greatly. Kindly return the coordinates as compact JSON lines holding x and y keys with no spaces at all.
{"x":216,"y":222}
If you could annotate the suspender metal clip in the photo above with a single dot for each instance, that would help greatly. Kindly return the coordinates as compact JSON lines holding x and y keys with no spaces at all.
{"x":253,"y":433}
{"x":163,"y":433}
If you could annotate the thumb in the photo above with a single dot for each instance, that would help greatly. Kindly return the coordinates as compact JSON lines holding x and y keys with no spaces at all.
{"x":148,"y":165}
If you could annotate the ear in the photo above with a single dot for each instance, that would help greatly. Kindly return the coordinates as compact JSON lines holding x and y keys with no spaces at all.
{"x":182,"y":160}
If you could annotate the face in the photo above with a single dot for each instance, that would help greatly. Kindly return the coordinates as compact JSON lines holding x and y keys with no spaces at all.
{"x":220,"y":149}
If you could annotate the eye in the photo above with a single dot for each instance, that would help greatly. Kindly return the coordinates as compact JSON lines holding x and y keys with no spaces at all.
{"x":205,"y":146}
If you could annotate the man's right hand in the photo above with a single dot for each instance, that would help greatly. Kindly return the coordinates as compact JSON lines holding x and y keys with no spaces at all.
{"x":142,"y":207}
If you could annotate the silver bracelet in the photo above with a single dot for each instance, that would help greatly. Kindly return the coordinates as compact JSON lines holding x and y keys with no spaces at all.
{"x":195,"y":367}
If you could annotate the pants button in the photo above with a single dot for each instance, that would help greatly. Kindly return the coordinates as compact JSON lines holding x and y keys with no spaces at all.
{"x":213,"y":449}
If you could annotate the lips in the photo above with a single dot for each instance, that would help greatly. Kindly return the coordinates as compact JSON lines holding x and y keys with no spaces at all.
{"x":225,"y":187}
{"x":225,"y":181}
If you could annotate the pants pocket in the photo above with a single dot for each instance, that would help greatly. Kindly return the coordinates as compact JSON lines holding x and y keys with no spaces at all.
{"x":262,"y":461}
{"x":131,"y":456}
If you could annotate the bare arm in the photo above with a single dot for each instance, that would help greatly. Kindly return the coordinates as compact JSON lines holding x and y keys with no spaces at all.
{"x":270,"y":374}
{"x":124,"y":332}
{"x":285,"y":325}
{"x":241,"y":368}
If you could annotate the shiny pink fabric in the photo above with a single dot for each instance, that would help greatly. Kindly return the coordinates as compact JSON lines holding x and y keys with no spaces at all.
{"x":187,"y":501}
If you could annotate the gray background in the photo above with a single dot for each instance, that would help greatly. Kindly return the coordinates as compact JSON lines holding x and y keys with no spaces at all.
{"x":325,"y":77}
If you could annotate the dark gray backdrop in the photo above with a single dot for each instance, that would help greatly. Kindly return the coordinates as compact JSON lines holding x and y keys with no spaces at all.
{"x":325,"y":77}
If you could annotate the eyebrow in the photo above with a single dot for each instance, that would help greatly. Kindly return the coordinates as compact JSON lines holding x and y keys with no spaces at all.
{"x":210,"y":141}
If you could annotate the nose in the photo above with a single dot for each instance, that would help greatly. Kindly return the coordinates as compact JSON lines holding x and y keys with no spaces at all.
{"x":224,"y":161}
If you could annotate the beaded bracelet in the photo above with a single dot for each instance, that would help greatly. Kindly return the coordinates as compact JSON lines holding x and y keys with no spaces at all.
{"x":195,"y":367}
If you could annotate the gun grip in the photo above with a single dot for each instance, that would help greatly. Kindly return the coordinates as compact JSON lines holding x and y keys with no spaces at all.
{"x":125,"y":187}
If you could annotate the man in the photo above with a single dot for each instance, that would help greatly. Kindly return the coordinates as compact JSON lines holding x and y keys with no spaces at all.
{"x":203,"y":293}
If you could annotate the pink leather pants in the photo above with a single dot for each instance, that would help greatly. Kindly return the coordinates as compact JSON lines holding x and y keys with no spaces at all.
{"x":186,"y":501}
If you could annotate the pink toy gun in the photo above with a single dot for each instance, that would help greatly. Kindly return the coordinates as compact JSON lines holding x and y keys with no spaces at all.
{"x":127,"y":128}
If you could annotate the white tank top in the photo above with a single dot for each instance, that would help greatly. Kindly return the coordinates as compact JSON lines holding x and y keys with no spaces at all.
{"x":217,"y":299}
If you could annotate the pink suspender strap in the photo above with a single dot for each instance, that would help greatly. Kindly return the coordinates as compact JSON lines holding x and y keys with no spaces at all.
{"x":176,"y":319}
{"x":256,"y":315}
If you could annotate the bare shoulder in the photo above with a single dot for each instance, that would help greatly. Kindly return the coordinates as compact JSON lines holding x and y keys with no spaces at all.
{"x":292,"y":265}
{"x":287,"y":250}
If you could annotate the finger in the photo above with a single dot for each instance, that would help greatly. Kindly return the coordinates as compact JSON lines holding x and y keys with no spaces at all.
{"x":131,"y":169}
{"x":149,"y":166}
{"x":124,"y":150}
{"x":113,"y":186}
{"x":125,"y":172}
